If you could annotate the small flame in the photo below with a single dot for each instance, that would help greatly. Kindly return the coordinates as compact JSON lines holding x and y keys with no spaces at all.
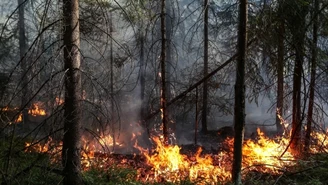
{"x":59,"y":101}
{"x":19,"y":118}
{"x":36,"y":110}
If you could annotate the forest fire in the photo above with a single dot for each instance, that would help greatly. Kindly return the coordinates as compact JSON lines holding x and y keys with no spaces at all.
{"x":167,"y":163}
{"x":268,"y":153}
{"x":35,"y":110}
{"x":19,"y":118}
{"x":59,"y":101}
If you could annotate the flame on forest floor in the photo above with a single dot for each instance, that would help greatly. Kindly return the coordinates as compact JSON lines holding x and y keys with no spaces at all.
{"x":267,"y":154}
{"x":59,"y":101}
{"x":88,"y":153}
{"x":165,"y":163}
{"x":19,"y":118}
{"x":14,"y":110}
{"x":102,"y":145}
{"x":262,"y":154}
{"x":35,"y":110}
{"x":169,"y":164}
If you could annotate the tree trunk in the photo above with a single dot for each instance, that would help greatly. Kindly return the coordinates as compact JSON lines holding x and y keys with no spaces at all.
{"x":296,"y":115}
{"x":71,"y":153}
{"x":280,"y":72}
{"x":169,"y":63}
{"x":196,"y":119}
{"x":23,"y":60}
{"x":112,"y":104}
{"x":239,"y":108}
{"x":142,"y":81}
{"x":205,"y":84}
{"x":163,"y":75}
{"x":313,"y":76}
{"x":297,"y":23}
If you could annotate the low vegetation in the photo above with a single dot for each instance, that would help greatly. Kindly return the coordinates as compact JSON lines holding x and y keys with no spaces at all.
{"x":31,"y":168}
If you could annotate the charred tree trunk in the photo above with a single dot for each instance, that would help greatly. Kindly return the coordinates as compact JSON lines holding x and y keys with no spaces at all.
{"x":298,"y":29}
{"x":296,"y":115}
{"x":280,"y":72}
{"x":313,"y":76}
{"x":163,"y":75}
{"x":169,"y":17}
{"x":239,"y":108}
{"x":112,"y":113}
{"x":71,"y":153}
{"x":23,"y":60}
{"x":205,"y":84}
{"x":196,"y":118}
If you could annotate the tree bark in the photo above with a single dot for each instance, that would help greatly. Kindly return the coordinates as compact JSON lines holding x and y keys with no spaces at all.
{"x":23,"y":60}
{"x":71,"y":153}
{"x":298,"y":28}
{"x":112,"y":104}
{"x":169,"y":17}
{"x":296,"y":115}
{"x":239,"y":108}
{"x":163,"y":75}
{"x":313,"y":76}
{"x":280,"y":71}
{"x":142,"y":81}
{"x":196,"y":119}
{"x":205,"y":84}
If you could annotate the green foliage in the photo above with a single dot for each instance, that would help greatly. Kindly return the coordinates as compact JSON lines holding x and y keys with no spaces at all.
{"x":113,"y":175}
{"x":25,"y":167}
{"x":313,"y":171}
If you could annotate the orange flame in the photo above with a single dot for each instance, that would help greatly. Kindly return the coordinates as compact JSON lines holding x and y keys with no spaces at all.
{"x":19,"y":118}
{"x":59,"y":101}
{"x":267,"y":152}
{"x":89,"y":148}
{"x":36,"y":110}
{"x":169,"y":164}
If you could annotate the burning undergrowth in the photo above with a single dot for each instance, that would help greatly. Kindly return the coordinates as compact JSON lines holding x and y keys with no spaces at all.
{"x":166,"y":163}
{"x":176,"y":163}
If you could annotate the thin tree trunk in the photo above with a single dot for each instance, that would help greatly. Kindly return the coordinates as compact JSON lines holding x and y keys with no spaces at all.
{"x":280,"y":73}
{"x":239,"y":108}
{"x":71,"y":153}
{"x":142,"y":75}
{"x":163,"y":75}
{"x":23,"y":60}
{"x":24,"y":80}
{"x":196,"y":118}
{"x":296,"y":115}
{"x":298,"y":30}
{"x":168,"y":67}
{"x":205,"y":84}
{"x":112,"y":83}
{"x":313,"y":77}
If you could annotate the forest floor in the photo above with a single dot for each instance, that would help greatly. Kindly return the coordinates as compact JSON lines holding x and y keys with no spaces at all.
{"x":18,"y":165}
{"x":26,"y":167}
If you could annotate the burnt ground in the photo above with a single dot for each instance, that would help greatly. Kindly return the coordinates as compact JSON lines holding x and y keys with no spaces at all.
{"x":211,"y":142}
